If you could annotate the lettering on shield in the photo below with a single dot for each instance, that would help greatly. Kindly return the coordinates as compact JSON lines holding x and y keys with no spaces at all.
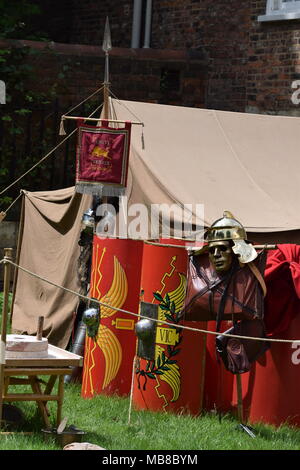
{"x":166,"y":336}
{"x":296,"y":353}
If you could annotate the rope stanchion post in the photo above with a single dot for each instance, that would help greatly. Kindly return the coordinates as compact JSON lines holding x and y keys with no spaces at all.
{"x":131,"y":390}
{"x":7,"y":275}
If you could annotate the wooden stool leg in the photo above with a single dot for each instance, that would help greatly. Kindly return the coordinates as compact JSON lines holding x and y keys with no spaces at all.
{"x":60,"y":399}
{"x":6,"y":385}
{"x":50,"y":385}
{"x":41,"y":405}
{"x":35,"y":385}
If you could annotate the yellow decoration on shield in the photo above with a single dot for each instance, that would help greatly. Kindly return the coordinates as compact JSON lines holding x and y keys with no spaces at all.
{"x":169,"y":336}
{"x":106,"y":339}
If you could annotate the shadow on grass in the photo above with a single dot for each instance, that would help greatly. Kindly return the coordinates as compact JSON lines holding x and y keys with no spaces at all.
{"x":99,"y":439}
{"x":268,"y":432}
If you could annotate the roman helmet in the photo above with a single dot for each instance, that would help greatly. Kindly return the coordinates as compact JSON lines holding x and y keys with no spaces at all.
{"x":91,"y":318}
{"x":229,"y":229}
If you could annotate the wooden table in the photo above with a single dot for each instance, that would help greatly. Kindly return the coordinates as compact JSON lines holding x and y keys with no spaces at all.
{"x":58,"y":364}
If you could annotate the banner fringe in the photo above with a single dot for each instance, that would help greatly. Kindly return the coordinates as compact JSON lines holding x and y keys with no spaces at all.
{"x":99,"y":189}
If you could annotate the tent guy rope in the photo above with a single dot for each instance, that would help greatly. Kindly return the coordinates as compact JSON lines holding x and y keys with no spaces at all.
{"x":4,"y":213}
{"x":184,"y":327}
{"x":56,"y":147}
{"x":39,"y":162}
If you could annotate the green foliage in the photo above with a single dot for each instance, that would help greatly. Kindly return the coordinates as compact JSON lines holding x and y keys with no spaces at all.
{"x":1,"y":301}
{"x":14,"y":71}
{"x":29,"y":121}
{"x":20,"y":117}
{"x":16,"y":19}
{"x":27,"y":102}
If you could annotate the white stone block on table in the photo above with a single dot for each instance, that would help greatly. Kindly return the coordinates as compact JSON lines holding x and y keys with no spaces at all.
{"x":25,"y":346}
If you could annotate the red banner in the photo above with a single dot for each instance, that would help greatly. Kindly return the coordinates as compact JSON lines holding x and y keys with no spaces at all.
{"x":102,"y":159}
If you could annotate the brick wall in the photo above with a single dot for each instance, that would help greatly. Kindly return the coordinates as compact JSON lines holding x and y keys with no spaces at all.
{"x":251,"y":65}
{"x":273,"y":64}
{"x":88,"y":20}
{"x":196,"y":25}
{"x":83,"y":22}
{"x":221,"y":29}
{"x":177,"y":77}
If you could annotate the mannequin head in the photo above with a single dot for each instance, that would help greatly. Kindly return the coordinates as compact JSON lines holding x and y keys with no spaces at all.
{"x":227,"y":239}
{"x":221,"y":255}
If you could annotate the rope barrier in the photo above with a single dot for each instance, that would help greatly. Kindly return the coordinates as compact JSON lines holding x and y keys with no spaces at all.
{"x":103,"y":304}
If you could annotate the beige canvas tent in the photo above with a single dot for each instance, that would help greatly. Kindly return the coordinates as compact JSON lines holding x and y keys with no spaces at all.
{"x":244,"y":163}
{"x":48,"y":247}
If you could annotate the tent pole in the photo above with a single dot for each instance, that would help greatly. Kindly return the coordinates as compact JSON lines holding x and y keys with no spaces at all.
{"x":105,"y":99}
{"x":106,"y":47}
{"x":7,"y":271}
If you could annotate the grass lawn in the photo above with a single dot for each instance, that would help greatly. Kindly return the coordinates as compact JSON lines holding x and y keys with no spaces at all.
{"x":105,"y":421}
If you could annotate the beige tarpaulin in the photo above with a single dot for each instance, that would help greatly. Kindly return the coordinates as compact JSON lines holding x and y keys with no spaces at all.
{"x":49,"y":247}
{"x":246,"y":163}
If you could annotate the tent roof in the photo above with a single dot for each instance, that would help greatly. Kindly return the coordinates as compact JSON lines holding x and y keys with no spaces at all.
{"x":246,"y":163}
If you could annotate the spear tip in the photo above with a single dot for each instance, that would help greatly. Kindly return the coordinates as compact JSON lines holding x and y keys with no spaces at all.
{"x":107,"y":46}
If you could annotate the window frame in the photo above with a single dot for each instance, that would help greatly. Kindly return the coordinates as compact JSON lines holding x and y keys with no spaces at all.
{"x":279,"y":10}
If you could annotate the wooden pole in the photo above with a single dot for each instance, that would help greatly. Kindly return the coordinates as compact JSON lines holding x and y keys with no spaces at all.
{"x":117,"y":121}
{"x":239,"y":398}
{"x":106,"y":46}
{"x":106,"y":109}
{"x":39,"y":334}
{"x":105,"y":100}
{"x":7,"y":272}
{"x":203,"y":364}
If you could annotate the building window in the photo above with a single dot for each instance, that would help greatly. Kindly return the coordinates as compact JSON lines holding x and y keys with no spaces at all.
{"x":277,"y":10}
